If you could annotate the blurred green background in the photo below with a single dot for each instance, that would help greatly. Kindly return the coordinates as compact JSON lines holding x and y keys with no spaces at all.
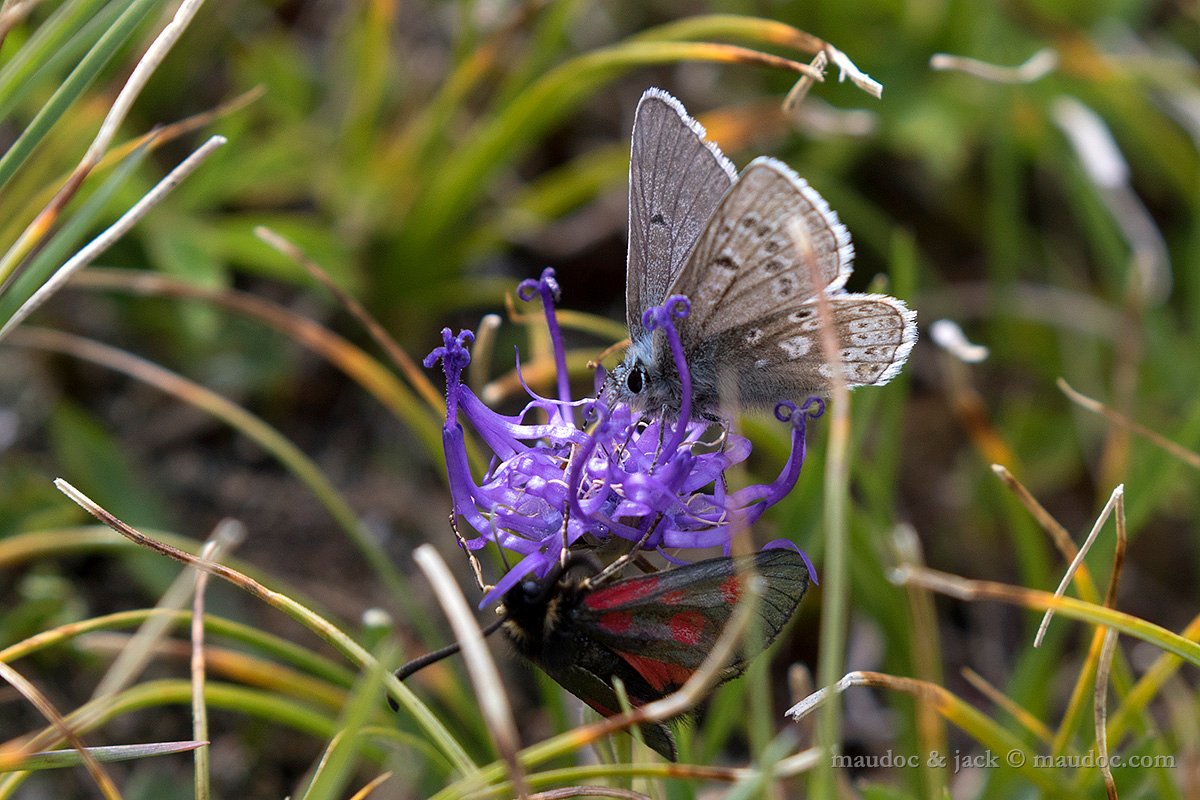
{"x":430,"y":155}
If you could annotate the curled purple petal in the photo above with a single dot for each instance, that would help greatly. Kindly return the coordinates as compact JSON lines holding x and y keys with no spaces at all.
{"x":788,"y":544}
{"x":547,"y":287}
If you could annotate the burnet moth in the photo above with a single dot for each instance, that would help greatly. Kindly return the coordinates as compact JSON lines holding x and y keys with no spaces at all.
{"x":652,"y":631}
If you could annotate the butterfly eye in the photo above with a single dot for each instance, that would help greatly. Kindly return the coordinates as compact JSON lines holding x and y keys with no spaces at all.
{"x":636,"y":380}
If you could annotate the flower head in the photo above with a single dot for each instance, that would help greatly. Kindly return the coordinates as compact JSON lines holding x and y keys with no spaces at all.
{"x":657,"y":484}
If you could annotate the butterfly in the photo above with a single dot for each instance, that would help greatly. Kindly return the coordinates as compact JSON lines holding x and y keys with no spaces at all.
{"x":726,"y":241}
{"x":651,"y":631}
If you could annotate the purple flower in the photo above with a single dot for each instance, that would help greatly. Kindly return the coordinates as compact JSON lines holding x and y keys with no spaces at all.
{"x":655,"y":483}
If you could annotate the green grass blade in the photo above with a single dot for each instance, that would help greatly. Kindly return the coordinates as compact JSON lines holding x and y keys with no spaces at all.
{"x":66,"y":35}
{"x":58,"y":759}
{"x":73,"y":86}
{"x":521,"y":124}
{"x":59,"y":248}
{"x":344,"y":752}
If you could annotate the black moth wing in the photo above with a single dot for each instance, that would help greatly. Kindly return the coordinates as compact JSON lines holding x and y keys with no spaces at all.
{"x":664,"y":625}
{"x":579,"y":679}
{"x":539,"y":625}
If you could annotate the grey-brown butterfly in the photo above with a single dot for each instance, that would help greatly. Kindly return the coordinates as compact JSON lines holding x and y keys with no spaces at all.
{"x":727,"y":242}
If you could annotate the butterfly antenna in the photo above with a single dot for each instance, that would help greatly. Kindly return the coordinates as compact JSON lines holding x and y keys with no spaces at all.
{"x":418,"y":664}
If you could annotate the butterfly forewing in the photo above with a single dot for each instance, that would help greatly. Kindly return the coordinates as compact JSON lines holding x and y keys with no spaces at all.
{"x":676,"y":181}
{"x":665,"y":624}
{"x":746,"y":260}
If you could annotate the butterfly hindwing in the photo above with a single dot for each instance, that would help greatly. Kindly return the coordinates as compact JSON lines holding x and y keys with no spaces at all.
{"x":676,"y":181}
{"x":785,"y":358}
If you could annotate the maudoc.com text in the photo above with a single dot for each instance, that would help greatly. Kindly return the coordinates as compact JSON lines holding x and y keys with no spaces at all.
{"x":958,"y":760}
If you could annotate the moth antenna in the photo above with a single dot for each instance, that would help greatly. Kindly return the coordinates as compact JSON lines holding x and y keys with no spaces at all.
{"x":417,"y":664}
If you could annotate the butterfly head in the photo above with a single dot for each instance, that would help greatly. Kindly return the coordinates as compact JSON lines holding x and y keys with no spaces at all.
{"x":647,"y":380}
{"x":628,"y":383}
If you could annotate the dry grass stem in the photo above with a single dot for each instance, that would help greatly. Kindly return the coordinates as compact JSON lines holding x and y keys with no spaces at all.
{"x":137,"y":537}
{"x":94,"y":248}
{"x":1189,"y":457}
{"x":926,"y":645}
{"x":834,"y":611}
{"x":1058,"y":534}
{"x":371,"y":786}
{"x":133,"y":658}
{"x":13,"y":14}
{"x":211,"y":551}
{"x":820,"y":697}
{"x":1019,"y":713}
{"x":1107,"y":651}
{"x":971,"y":409}
{"x":1116,"y":496}
{"x":1104,"y":164}
{"x":399,"y":356}
{"x":800,"y":686}
{"x":47,"y":710}
{"x":949,"y":336}
{"x":489,"y":689}
{"x":117,"y":112}
{"x":847,"y":69}
{"x":482,"y":350}
{"x":801,"y":88}
{"x":310,"y":619}
{"x":146,"y":66}
{"x":566,"y":792}
{"x":1036,"y":67}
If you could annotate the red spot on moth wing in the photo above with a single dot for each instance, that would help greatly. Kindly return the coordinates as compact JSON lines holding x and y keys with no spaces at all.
{"x":617,"y":622}
{"x":675,"y":597}
{"x":600,"y":708}
{"x":731,"y":589}
{"x":620,"y":593}
{"x":687,"y":627}
{"x":662,"y":675}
